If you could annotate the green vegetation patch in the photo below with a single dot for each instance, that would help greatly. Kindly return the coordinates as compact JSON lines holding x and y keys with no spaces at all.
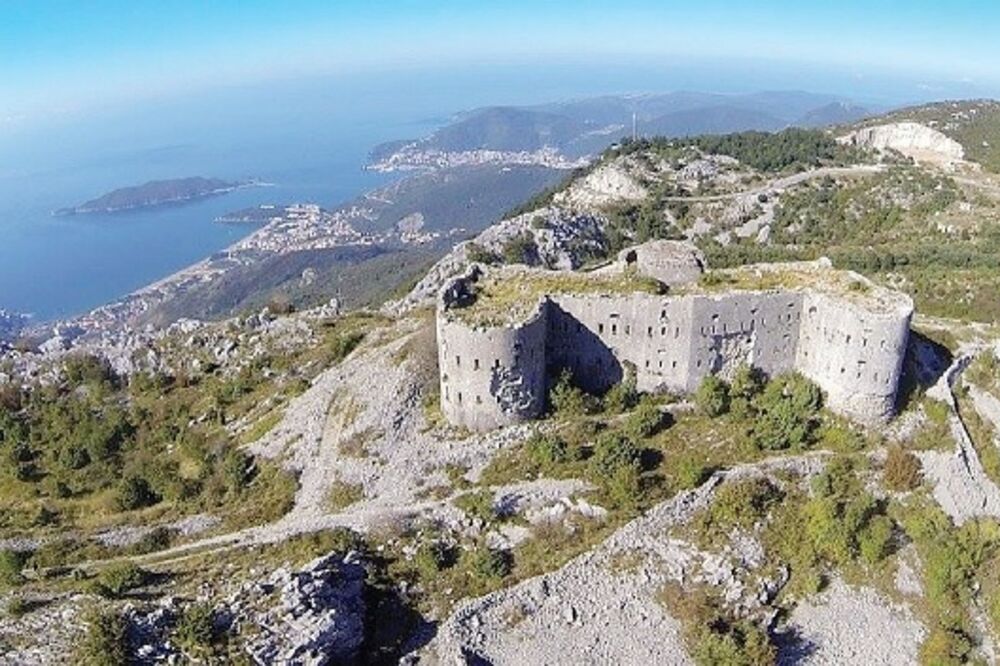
{"x":712,"y":634}
{"x":105,"y":640}
{"x":792,"y":149}
{"x":341,"y":495}
{"x":512,"y":295}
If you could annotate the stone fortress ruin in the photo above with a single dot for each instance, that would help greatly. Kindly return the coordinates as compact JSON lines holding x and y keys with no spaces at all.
{"x":505,"y":333}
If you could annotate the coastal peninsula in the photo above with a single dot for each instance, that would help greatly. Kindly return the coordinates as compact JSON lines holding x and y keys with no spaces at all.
{"x":156,"y":193}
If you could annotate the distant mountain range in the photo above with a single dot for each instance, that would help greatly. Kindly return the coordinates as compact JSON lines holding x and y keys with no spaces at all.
{"x":585,"y":127}
{"x":155,"y":193}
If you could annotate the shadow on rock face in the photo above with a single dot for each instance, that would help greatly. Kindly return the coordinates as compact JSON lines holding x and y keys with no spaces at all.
{"x":925,"y":361}
{"x":472,"y":659}
{"x":394,"y":629}
{"x":793,"y":647}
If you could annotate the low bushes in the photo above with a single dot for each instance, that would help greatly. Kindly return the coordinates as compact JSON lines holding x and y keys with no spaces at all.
{"x":738,"y":504}
{"x":105,"y":642}
{"x":783,"y":413}
{"x":902,"y":470}
{"x":712,"y":396}
{"x":341,"y":346}
{"x":568,"y":400}
{"x":342,"y":494}
{"x":954,"y":559}
{"x":488,"y":563}
{"x":547,"y":450}
{"x":117,"y":580}
{"x":645,"y":420}
{"x":842,"y":521}
{"x":195,"y":630}
{"x":478,"y":505}
{"x":713,"y":635}
{"x":11,"y":564}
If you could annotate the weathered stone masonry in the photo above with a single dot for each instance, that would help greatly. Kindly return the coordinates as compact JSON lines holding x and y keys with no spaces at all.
{"x":851,"y":345}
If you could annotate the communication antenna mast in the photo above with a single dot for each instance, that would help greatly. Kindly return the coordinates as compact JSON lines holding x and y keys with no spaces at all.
{"x":635,"y":120}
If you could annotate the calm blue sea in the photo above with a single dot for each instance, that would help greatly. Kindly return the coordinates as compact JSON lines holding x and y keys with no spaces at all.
{"x":58,"y":266}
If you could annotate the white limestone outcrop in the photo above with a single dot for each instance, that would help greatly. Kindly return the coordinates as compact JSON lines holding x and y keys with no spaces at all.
{"x":920,"y":142}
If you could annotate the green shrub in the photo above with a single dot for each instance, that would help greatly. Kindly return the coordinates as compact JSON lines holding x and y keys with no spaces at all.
{"x":712,"y":635}
{"x":105,"y":642}
{"x":875,"y":539}
{"x":613,"y":451}
{"x":842,"y":521}
{"x":134,"y":493}
{"x":237,"y":470}
{"x":432,"y":557}
{"x":787,"y":414}
{"x":547,"y":450}
{"x":936,"y":410}
{"x":747,"y":382}
{"x":947,"y":646}
{"x":342,"y":494}
{"x":838,"y":479}
{"x":118,"y":579}
{"x":738,"y":504}
{"x":690,"y":472}
{"x":646,"y":420}
{"x":837,"y":528}
{"x":736,"y":643}
{"x":623,"y":487}
{"x":11,"y":564}
{"x":478,"y":504}
{"x":489,"y":564}
{"x":840,"y":439}
{"x":17,"y":607}
{"x":902,"y":470}
{"x":480,"y":255}
{"x":746,"y":385}
{"x":159,"y":538}
{"x":195,"y":630}
{"x":88,"y":369}
{"x":568,"y":400}
{"x":342,"y":345}
{"x":280,"y":304}
{"x":622,"y":396}
{"x":520,"y":249}
{"x":712,"y":396}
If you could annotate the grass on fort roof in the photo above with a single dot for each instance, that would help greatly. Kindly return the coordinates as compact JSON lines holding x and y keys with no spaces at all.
{"x":511,"y":297}
{"x":773,"y":278}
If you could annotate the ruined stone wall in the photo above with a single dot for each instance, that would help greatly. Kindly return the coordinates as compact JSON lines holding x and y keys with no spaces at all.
{"x":492,"y":376}
{"x":855,"y":354}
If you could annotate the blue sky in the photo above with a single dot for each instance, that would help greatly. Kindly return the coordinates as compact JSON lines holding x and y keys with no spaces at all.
{"x":58,"y":56}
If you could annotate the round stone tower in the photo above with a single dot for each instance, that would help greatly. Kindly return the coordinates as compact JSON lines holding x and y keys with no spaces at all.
{"x":491,"y":376}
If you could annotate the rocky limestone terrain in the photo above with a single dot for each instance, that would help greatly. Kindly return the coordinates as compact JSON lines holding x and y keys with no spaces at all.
{"x":557,"y":238}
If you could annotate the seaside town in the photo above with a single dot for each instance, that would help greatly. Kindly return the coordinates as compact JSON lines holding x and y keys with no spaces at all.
{"x":287,"y":229}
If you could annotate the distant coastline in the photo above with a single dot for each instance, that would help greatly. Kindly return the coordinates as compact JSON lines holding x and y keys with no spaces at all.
{"x":157,"y":193}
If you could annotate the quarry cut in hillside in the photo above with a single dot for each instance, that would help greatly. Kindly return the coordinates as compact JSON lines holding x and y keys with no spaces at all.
{"x":915,"y":140}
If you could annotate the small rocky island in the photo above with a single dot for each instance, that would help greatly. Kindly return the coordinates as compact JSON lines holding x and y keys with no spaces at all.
{"x":156,"y":193}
